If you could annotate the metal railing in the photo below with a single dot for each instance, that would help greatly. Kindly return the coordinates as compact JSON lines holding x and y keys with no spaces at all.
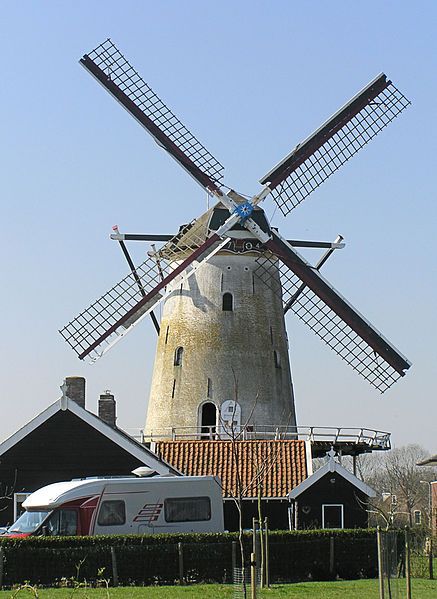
{"x":371,"y":438}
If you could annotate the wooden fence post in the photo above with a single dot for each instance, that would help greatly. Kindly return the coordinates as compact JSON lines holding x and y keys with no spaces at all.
{"x":430,"y":564}
{"x":380,"y":562}
{"x":114,"y":567}
{"x":331,"y":555}
{"x":181,"y":563}
{"x":234,"y":556}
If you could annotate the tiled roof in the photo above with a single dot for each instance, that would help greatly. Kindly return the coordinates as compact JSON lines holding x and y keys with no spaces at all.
{"x":279,"y":465}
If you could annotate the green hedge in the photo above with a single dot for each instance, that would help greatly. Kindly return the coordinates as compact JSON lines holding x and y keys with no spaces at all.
{"x":154,"y":559}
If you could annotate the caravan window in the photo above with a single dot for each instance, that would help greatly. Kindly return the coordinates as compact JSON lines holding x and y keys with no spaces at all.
{"x":62,"y":522}
{"x":187,"y":509}
{"x":112,"y":513}
{"x":28,"y":522}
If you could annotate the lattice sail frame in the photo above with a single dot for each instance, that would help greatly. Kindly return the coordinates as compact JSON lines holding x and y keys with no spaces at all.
{"x":334,"y":143}
{"x":110,"y":60}
{"x":325,"y":323}
{"x":118,"y":310}
{"x":311,"y":163}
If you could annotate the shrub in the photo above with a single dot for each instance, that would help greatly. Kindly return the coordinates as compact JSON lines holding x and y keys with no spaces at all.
{"x":154,"y":559}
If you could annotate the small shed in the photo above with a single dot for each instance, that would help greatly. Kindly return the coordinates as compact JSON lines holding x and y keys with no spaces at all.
{"x":332,"y":497}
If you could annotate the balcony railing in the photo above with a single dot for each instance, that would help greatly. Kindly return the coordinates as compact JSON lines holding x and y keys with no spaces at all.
{"x":366,"y":438}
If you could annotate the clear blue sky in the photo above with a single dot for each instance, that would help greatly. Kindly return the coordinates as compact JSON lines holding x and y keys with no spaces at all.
{"x":250,"y":79}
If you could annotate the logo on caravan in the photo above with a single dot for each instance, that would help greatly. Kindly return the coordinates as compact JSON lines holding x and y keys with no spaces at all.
{"x":149,"y":513}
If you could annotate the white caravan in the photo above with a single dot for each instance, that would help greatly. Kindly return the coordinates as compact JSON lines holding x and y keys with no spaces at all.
{"x":111,"y":506}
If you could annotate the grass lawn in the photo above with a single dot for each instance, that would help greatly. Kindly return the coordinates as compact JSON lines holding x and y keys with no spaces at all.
{"x":355,"y":589}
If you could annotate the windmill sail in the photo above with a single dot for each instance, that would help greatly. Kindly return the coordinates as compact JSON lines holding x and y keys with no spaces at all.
{"x":331,"y":317}
{"x":303,"y":289}
{"x":95,"y":330}
{"x":121,"y":80}
{"x":334,"y":143}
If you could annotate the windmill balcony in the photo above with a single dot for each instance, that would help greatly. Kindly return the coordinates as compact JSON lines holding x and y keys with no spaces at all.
{"x":348,"y":441}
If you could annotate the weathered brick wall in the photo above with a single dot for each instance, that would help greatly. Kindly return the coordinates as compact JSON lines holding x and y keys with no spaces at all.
{"x":234,"y":349}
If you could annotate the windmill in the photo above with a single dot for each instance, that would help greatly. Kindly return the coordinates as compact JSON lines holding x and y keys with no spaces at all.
{"x":191,"y":272}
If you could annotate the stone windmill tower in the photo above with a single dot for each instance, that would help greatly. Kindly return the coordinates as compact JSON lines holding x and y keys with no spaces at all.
{"x":227,"y":278}
{"x":222,"y":351}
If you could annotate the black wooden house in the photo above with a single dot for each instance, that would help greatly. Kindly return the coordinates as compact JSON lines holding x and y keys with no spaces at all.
{"x":67,"y":441}
{"x":332,"y":497}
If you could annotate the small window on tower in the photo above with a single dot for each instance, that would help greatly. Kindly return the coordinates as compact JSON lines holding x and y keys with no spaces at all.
{"x":277,"y":358}
{"x":228,"y":302}
{"x":178,"y":356}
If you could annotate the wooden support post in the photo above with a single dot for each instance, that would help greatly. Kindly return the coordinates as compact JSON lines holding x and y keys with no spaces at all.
{"x":331,"y":555}
{"x":254,"y":549}
{"x":430,"y":564}
{"x":181,"y":563}
{"x":266,"y":550}
{"x":262,"y":553}
{"x":253,"y":575}
{"x":255,"y":542}
{"x":114,"y":567}
{"x":380,"y":562}
{"x":2,"y":561}
{"x":408,"y":562}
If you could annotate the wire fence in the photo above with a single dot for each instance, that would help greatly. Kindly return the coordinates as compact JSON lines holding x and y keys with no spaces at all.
{"x":293,"y":559}
{"x":239,"y":587}
{"x":143,"y":564}
{"x":404,"y":555}
{"x":423,"y":550}
{"x":392,"y":565}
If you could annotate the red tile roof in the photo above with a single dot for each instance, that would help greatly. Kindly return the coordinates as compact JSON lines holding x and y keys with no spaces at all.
{"x":278,"y":465}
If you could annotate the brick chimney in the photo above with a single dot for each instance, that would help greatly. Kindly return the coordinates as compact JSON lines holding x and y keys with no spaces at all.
{"x":76,"y":389}
{"x":107,"y":410}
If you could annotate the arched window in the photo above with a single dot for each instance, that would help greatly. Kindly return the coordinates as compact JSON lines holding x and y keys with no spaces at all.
{"x":208,"y":420}
{"x":277,"y":359}
{"x":228,"y":302}
{"x":179,"y":352}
